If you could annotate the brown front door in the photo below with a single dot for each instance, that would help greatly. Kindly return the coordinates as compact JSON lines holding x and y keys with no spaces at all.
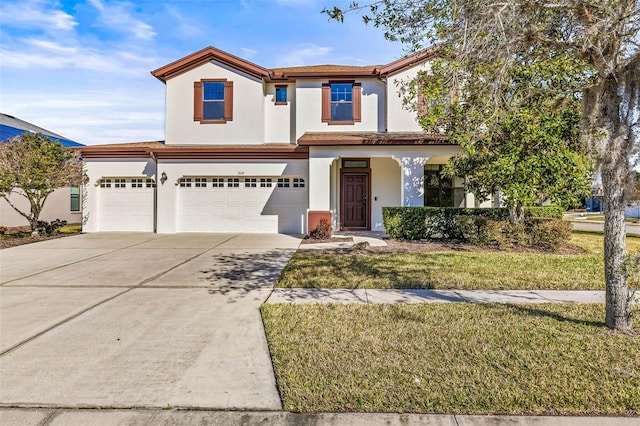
{"x":355,"y":200}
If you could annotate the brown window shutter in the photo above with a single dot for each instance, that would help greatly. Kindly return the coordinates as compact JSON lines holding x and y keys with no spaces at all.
{"x":197,"y":101}
{"x":326,"y":102}
{"x":357,"y":102}
{"x":228,"y":100}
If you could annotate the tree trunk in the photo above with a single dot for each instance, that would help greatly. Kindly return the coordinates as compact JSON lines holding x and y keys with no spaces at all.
{"x":516,"y":214}
{"x":615,"y":174}
{"x":618,"y":306}
{"x":34,"y":227}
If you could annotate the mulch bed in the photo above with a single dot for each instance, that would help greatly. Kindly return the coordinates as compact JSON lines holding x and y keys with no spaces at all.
{"x":423,"y":246}
{"x":328,"y":240}
{"x":20,"y":236}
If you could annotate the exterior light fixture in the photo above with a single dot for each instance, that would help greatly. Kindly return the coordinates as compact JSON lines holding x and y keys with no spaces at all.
{"x":163,"y":177}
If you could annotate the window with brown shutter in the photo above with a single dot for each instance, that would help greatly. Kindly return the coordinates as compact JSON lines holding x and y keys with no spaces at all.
{"x":341,"y":102}
{"x":213,"y":101}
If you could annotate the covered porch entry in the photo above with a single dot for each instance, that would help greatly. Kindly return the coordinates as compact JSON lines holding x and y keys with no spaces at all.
{"x":354,"y":175}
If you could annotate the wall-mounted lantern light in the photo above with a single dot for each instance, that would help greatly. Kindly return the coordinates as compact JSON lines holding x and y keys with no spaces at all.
{"x":163,"y":177}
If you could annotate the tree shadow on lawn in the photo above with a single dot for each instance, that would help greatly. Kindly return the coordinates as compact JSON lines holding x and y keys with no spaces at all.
{"x":238,"y":275}
{"x":531,"y":311}
{"x":355,"y":272}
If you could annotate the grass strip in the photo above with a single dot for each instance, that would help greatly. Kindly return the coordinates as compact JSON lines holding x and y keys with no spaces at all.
{"x":555,"y":359}
{"x":488,"y":270}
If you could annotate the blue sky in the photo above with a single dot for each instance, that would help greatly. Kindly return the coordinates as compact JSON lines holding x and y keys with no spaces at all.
{"x":81,"y":68}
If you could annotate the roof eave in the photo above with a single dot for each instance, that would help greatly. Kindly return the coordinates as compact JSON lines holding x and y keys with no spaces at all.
{"x":409,"y":61}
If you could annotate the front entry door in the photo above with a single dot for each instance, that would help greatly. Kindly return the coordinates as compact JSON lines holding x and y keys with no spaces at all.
{"x":355,"y":200}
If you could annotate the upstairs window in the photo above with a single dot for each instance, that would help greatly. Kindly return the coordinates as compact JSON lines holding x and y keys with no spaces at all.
{"x":213,"y":101}
{"x":281,"y":95}
{"x":341,"y":102}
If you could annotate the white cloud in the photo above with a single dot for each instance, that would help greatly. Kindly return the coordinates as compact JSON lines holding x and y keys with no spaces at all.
{"x":128,"y":113}
{"x":248,"y":53}
{"x":117,"y":16}
{"x":296,"y":3}
{"x":185,"y":27}
{"x":50,"y":55}
{"x":35,"y":14}
{"x":309,"y":54}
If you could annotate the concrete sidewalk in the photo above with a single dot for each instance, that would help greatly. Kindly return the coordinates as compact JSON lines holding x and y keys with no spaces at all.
{"x":66,"y":417}
{"x":388,"y":296}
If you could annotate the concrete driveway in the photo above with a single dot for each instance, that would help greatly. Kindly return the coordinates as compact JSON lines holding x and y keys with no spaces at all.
{"x":139,"y":320}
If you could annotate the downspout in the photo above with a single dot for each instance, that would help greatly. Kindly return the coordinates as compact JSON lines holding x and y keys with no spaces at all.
{"x":155,"y":193}
{"x":385,"y":106}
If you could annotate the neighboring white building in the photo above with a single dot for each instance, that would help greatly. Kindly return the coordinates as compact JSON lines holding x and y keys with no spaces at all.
{"x":250,"y":149}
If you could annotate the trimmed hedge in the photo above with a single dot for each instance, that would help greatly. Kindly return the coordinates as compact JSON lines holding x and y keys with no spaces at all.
{"x":541,"y":227}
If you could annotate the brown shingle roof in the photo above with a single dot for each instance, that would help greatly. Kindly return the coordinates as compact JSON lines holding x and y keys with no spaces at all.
{"x":372,"y":138}
{"x":160,"y":150}
{"x":327,"y":68}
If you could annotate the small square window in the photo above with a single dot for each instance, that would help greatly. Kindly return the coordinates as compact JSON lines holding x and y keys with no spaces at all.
{"x":298,"y":183}
{"x":281,"y":95}
{"x":200,"y":182}
{"x":266,"y":182}
{"x":119,"y":183}
{"x":185,"y":182}
{"x":250,"y":182}
{"x":105,"y":183}
{"x":150,"y":183}
{"x":233,"y":182}
{"x":136,"y":183}
{"x":217,"y":183}
{"x":283,"y":182}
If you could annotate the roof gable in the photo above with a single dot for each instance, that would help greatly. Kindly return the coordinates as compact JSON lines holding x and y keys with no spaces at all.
{"x":206,"y":55}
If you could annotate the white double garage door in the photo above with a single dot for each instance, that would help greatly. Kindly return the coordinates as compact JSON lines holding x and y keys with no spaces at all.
{"x":248,"y":204}
{"x":268,"y":204}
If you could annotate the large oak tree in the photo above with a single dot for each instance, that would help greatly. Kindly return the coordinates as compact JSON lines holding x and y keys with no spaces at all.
{"x":484,"y":42}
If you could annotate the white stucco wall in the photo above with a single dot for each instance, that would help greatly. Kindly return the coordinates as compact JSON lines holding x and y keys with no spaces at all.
{"x":57,"y":206}
{"x":109,"y":168}
{"x":401,"y":118}
{"x":385,"y":181}
{"x":279,"y":120}
{"x":175,"y":169}
{"x":248,"y":103}
{"x":308,"y":106}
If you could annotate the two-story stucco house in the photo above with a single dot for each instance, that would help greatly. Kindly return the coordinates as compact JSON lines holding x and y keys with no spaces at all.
{"x":250,"y":149}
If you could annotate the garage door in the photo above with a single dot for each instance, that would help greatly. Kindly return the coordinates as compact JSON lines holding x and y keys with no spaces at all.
{"x":125,"y":204}
{"x":267,"y":204}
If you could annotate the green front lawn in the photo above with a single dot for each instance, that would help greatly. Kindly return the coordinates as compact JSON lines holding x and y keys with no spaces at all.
{"x":452,"y":358}
{"x":454,"y":269}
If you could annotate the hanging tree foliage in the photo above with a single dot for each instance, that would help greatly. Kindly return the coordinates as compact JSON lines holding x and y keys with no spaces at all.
{"x":486,"y":45}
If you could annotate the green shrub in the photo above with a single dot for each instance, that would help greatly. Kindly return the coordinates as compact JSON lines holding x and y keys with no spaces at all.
{"x":546,"y":233}
{"x":542,"y":227}
{"x":555,"y":212}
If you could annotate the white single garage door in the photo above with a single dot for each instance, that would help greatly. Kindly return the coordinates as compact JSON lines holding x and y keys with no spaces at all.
{"x":242,"y":204}
{"x":125,"y":204}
